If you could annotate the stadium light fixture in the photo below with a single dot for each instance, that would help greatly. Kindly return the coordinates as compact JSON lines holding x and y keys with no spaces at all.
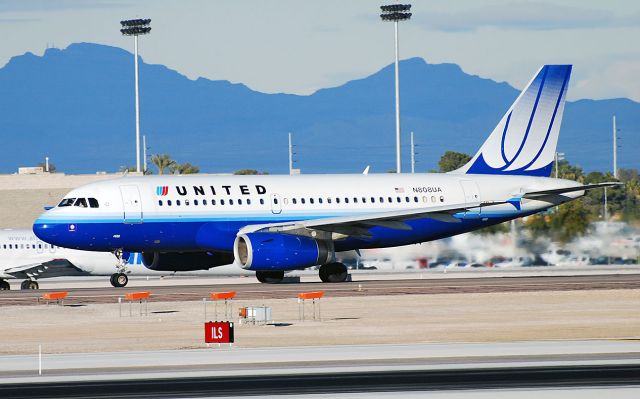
{"x":135,"y":28}
{"x":396,"y":13}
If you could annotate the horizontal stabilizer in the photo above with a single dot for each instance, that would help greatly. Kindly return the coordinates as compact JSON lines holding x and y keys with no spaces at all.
{"x":556,"y":191}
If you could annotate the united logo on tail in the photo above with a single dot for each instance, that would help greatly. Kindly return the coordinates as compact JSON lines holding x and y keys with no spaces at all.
{"x":524,"y":142}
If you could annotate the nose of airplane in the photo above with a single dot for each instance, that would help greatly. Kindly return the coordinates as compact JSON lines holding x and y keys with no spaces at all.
{"x":52,"y":232}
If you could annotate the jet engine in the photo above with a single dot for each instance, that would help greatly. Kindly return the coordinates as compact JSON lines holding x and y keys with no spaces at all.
{"x":278,"y":251}
{"x":185,"y":261}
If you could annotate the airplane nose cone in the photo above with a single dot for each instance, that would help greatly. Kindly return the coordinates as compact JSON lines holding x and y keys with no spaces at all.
{"x":52,"y":233}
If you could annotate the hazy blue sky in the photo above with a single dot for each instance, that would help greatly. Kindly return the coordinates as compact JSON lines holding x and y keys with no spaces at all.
{"x":300,"y":46}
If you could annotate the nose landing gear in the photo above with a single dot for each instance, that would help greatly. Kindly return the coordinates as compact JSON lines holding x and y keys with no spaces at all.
{"x":119,"y":278}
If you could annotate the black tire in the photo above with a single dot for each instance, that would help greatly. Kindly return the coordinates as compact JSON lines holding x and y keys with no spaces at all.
{"x":333,"y":273}
{"x":270,"y":277}
{"x":4,"y":286}
{"x":121,"y":280}
{"x":29,"y":285}
{"x":112,"y":279}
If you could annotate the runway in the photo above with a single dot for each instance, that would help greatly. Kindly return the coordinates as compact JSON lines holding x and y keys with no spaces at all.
{"x":336,"y":383}
{"x":177,"y":293}
{"x":329,"y":369}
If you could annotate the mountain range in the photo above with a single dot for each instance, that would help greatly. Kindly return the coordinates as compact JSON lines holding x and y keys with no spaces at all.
{"x":76,"y":105}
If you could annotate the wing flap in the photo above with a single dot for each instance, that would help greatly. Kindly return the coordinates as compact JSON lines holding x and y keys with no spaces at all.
{"x":535,"y":194}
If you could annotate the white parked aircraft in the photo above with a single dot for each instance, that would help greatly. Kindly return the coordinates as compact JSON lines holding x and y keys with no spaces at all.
{"x":24,"y":256}
{"x":272,"y":224}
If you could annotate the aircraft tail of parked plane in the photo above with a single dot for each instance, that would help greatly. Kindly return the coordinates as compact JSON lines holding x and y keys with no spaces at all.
{"x":524,"y":141}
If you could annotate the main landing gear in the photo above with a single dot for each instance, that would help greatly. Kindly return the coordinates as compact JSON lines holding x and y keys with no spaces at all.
{"x":4,"y":286}
{"x":119,"y":278}
{"x":29,"y":285}
{"x":270,"y":277}
{"x":333,"y":273}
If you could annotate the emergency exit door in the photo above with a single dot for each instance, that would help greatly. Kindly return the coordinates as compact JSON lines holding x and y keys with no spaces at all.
{"x":132,"y":204}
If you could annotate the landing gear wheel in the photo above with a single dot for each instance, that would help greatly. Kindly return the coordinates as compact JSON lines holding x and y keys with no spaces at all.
{"x":4,"y":286}
{"x":333,"y":273}
{"x":119,"y":280}
{"x":29,"y":285}
{"x":270,"y":277}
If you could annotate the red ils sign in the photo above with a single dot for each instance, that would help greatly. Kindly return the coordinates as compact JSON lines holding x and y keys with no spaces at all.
{"x":219,"y":332}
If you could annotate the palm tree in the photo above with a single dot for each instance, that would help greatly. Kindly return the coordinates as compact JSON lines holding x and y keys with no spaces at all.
{"x":162,"y":162}
{"x":184,"y":168}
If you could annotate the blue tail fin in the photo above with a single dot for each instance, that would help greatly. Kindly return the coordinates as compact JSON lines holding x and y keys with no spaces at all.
{"x":524,"y":142}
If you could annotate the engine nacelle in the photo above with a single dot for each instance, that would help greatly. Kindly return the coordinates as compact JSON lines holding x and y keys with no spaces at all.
{"x":185,"y":261}
{"x":278,"y":251}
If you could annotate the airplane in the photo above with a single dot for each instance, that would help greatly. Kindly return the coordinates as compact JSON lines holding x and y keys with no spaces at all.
{"x":272,"y":224}
{"x":24,"y":256}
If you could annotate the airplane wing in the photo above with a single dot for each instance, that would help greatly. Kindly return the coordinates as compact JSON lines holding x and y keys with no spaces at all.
{"x":359,"y":225}
{"x":52,"y":268}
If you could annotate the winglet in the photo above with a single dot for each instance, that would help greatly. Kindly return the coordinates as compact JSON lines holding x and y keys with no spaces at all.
{"x":366,"y":170}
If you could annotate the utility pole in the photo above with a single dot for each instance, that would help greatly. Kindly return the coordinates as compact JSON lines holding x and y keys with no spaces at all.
{"x":135,"y":28}
{"x":615,"y":149}
{"x":395,"y":13}
{"x":144,"y":154}
{"x":290,"y":155}
{"x":558,"y":157}
{"x":413,"y":155}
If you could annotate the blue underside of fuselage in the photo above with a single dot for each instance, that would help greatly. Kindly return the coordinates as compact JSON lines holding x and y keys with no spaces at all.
{"x":220,"y":235}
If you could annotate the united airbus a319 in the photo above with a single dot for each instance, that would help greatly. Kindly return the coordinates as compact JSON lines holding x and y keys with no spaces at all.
{"x":273,"y":224}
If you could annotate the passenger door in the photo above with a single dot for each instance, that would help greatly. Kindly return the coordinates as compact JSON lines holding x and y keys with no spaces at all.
{"x":131,"y":203}
{"x":276,"y":204}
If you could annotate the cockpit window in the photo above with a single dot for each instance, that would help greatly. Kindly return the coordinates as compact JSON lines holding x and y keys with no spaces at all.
{"x":66,"y":202}
{"x":93,"y":203}
{"x":81,"y":202}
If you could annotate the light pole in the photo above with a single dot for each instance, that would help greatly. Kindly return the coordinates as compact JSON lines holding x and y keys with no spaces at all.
{"x":135,"y":28}
{"x":615,"y":148}
{"x":396,"y":13}
{"x":559,"y":157}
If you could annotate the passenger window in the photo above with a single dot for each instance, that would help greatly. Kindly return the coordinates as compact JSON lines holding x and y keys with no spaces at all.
{"x":81,"y":202}
{"x":66,"y":202}
{"x":415,"y":199}
{"x":389,"y":198}
{"x":346,"y":200}
{"x":441,"y":198}
{"x":294,"y":201}
{"x":160,"y":202}
{"x":28,"y":247}
{"x":406,"y":199}
{"x":240,"y":202}
{"x":328,"y":200}
{"x":337,"y":200}
{"x":248,"y":201}
{"x":364,"y":200}
{"x":433,"y":199}
{"x":168,"y":202}
{"x":221,"y":202}
{"x":355,"y":200}
{"x":398,"y":199}
{"x":302,"y":200}
{"x":275,"y":201}
{"x":230,"y":202}
{"x":319,"y":200}
{"x":261,"y":201}
{"x":213,"y":202}
{"x":177,"y":202}
{"x":195,"y":202}
{"x":425,"y":199}
{"x":186,"y":202}
{"x":93,"y":203}
{"x":10,"y":246}
{"x":311,"y":200}
{"x":204,"y":202}
{"x":373,"y":200}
